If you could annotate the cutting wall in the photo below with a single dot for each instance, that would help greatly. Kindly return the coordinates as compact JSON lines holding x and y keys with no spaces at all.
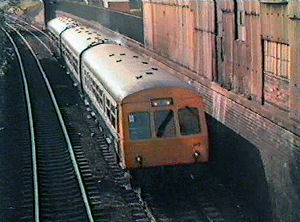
{"x":243,"y":58}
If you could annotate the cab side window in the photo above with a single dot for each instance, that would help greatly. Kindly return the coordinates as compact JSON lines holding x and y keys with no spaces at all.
{"x":139,"y":126}
{"x":189,"y":121}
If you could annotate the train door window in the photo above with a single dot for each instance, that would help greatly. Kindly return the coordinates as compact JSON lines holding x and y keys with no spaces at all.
{"x":100,"y":97}
{"x":164,"y":123}
{"x":139,"y":126}
{"x":107,"y":108}
{"x":189,"y":121}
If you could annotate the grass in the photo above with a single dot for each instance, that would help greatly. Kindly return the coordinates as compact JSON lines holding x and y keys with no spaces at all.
{"x":30,"y":6}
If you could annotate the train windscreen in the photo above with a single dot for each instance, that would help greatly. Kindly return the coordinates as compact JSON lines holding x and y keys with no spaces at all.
{"x":189,"y":121}
{"x":139,"y":126}
{"x":164,"y":123}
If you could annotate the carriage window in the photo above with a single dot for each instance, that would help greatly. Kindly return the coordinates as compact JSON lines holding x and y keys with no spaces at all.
{"x":100,"y":98}
{"x":113,"y":121}
{"x":107,"y":102}
{"x":139,"y":126}
{"x":108,"y":113}
{"x":189,"y":121}
{"x":164,"y":123}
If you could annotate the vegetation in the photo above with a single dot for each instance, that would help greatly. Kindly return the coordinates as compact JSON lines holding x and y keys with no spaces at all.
{"x":6,"y":52}
{"x":30,"y":6}
{"x":2,"y":17}
{"x":23,"y":7}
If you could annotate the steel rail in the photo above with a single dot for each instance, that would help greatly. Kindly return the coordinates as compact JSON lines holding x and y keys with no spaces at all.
{"x":31,"y":126}
{"x":63,"y":126}
{"x":12,"y":17}
{"x":35,"y":36}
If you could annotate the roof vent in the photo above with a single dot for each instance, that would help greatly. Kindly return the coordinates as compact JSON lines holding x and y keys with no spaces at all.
{"x":139,"y":77}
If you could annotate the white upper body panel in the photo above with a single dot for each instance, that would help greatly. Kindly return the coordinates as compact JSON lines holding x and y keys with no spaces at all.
{"x":124,"y":72}
{"x":80,"y":37}
{"x":76,"y":36}
{"x":58,"y":25}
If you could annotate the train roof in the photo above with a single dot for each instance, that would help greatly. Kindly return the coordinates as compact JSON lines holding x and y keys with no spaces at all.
{"x":59,"y":24}
{"x":80,"y":37}
{"x":124,"y":72}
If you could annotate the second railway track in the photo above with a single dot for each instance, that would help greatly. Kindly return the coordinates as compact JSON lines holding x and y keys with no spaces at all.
{"x":51,"y":138}
{"x":59,"y":191}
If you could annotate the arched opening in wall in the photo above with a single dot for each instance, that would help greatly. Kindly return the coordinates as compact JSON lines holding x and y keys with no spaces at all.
{"x":237,"y":164}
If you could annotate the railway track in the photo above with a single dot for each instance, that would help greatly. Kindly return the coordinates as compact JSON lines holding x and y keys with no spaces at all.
{"x":14,"y":144}
{"x":58,"y":191}
{"x":147,"y":204}
{"x":98,"y":212}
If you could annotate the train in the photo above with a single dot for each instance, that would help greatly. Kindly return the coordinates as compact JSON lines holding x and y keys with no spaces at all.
{"x":152,"y":118}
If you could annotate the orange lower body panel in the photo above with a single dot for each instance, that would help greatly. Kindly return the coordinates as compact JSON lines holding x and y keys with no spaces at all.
{"x":160,"y":152}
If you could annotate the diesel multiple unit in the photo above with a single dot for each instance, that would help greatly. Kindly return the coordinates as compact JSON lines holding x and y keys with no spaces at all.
{"x":151,"y":117}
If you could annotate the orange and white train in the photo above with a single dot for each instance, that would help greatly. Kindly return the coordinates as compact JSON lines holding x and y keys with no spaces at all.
{"x":151,"y":117}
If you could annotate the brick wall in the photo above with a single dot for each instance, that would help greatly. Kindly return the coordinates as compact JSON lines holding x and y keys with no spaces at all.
{"x":243,"y":58}
{"x":248,"y":47}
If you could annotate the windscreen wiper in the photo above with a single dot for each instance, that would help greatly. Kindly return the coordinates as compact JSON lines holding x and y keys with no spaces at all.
{"x":161,"y":129}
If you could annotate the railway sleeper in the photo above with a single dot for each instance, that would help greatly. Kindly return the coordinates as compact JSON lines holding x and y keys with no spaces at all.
{"x":57,"y":171}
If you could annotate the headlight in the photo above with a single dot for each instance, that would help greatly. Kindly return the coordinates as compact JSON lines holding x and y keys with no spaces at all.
{"x":139,"y":160}
{"x":197,"y":155}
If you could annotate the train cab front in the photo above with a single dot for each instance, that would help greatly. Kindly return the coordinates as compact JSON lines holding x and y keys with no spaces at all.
{"x":165,"y":128}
